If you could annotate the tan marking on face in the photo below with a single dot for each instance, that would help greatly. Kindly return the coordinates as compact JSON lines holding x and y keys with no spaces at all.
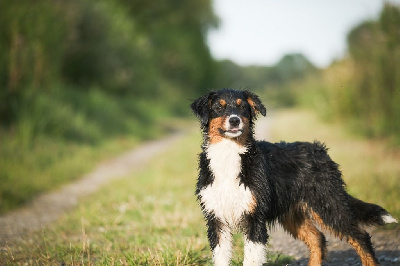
{"x":218,"y":123}
{"x":239,"y":102}
{"x":252,"y":104}
{"x":213,"y":129}
{"x":222,"y":102}
{"x":243,"y":139}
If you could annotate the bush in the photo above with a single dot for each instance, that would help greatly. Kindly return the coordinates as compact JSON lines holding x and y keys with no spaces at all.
{"x":364,"y":88}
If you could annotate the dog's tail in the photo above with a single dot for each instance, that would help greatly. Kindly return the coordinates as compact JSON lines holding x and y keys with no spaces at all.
{"x":370,"y":214}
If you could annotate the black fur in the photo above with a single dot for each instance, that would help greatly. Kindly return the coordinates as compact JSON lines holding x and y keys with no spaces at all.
{"x":281,"y":177}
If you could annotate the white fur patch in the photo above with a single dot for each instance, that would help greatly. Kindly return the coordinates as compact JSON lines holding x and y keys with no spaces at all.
{"x":388,"y":219}
{"x":254,"y":253}
{"x":233,"y":134}
{"x":227,"y":126}
{"x":223,"y":251}
{"x":225,"y":197}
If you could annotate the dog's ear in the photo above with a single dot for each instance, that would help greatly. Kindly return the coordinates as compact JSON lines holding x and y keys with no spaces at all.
{"x":201,"y":108}
{"x":255,"y":103}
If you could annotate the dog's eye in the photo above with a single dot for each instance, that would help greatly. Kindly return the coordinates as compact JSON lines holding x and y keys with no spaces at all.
{"x":220,"y":107}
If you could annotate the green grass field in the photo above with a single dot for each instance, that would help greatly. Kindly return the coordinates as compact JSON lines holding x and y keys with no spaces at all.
{"x":59,"y":137}
{"x":148,"y":218}
{"x":46,"y":164}
{"x":151,"y":217}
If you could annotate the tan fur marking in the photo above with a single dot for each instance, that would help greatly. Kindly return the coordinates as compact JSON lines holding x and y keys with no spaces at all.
{"x":213,"y":130}
{"x":217,"y":123}
{"x":242,"y":139}
{"x":252,"y":104}
{"x":239,"y":102}
{"x":366,"y":257}
{"x":315,"y":216}
{"x":253,"y":204}
{"x":302,"y":228}
{"x":222,"y":102}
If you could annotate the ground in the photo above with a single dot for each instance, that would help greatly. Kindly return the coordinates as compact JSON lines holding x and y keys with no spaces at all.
{"x":46,"y":208}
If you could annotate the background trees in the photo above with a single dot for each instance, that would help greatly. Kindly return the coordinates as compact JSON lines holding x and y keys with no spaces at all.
{"x":67,"y":64}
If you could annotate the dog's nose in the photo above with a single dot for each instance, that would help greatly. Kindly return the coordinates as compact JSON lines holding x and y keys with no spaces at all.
{"x":234,"y":121}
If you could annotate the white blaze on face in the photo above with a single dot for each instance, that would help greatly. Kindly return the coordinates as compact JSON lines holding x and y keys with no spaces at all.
{"x":233,"y":132}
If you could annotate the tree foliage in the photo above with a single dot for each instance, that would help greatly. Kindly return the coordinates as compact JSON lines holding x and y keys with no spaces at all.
{"x":289,"y":68}
{"x":147,"y":51}
{"x":374,"y":47}
{"x":363,"y":89}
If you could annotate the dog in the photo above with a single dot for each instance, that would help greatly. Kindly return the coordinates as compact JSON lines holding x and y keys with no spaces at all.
{"x":246,"y":185}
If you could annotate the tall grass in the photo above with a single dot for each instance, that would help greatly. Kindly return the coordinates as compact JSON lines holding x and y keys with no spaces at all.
{"x":59,"y":136}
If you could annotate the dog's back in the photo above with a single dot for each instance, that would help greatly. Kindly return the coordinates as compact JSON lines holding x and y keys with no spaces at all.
{"x":312,"y":177}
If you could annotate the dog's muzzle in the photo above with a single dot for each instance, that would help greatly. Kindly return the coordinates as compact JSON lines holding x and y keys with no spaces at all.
{"x":233,"y":126}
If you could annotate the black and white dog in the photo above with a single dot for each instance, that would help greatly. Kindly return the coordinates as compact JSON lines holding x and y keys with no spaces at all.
{"x":244,"y":184}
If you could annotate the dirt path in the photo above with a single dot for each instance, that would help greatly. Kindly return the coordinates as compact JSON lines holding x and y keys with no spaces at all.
{"x":386,"y":243}
{"x":48,"y":207}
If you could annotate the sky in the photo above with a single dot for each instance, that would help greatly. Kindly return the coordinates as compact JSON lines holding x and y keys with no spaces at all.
{"x":260,"y":32}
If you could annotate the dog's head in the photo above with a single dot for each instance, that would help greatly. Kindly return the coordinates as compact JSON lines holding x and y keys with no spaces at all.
{"x":228,"y":113}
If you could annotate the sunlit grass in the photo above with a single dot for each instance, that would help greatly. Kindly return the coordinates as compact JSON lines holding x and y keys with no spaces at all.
{"x":149,"y":218}
{"x":152,"y":218}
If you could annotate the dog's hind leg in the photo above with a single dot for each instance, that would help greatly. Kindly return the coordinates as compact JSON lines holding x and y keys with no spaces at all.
{"x":301,"y":227}
{"x":361,"y":242}
{"x":357,"y":237}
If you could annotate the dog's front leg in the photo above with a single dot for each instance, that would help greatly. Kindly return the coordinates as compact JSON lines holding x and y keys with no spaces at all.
{"x":255,"y":241}
{"x":220,"y":238}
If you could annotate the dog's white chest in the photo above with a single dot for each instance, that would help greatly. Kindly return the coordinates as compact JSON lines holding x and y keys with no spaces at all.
{"x":225,"y":197}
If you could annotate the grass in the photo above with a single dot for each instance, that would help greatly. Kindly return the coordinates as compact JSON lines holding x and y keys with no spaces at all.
{"x":148,"y":218}
{"x":151,"y":217}
{"x":47,"y":164}
{"x":60,"y":136}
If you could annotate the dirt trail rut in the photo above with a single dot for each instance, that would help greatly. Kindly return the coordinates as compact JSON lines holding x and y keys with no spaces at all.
{"x":386,"y":243}
{"x":48,"y":207}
